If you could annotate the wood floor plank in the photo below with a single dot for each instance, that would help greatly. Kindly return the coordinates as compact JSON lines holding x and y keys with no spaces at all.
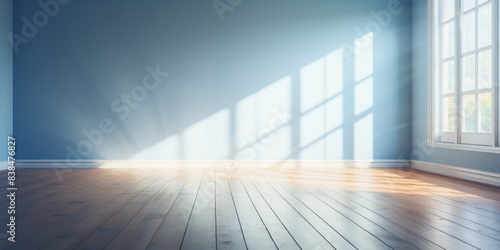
{"x":327,"y":231}
{"x":441,"y":211}
{"x":345,"y":226}
{"x":80,"y":230}
{"x":451,"y":227}
{"x":70,"y":207}
{"x":71,"y":180}
{"x":452,"y":211}
{"x":101,"y":237}
{"x":420,"y":225}
{"x":378,"y":228}
{"x":53,"y":197}
{"x":481,"y":201}
{"x":229,"y":231}
{"x":305,"y":235}
{"x":279,"y":233}
{"x":469,"y":187}
{"x":140,"y":230}
{"x":53,"y":226}
{"x":360,"y":209}
{"x":201,"y":230}
{"x":256,"y":234}
{"x":172,"y":229}
{"x":448,"y":226}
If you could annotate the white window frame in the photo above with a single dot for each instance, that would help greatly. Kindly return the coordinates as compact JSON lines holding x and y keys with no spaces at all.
{"x":458,"y":139}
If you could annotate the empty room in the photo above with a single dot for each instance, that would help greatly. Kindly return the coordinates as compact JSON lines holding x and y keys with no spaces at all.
{"x":249,"y":124}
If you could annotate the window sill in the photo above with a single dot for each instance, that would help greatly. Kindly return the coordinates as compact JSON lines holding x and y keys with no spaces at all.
{"x":473,"y":148}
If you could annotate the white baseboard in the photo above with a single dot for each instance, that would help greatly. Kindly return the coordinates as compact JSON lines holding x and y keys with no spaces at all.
{"x":212,"y":163}
{"x":458,"y":172}
{"x":3,"y":165}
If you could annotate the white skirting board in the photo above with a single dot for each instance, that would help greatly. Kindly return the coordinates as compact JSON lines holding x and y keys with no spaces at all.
{"x":458,"y":172}
{"x":60,"y":164}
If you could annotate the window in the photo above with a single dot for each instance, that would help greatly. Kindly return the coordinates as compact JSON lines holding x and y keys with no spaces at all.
{"x":465,"y":72}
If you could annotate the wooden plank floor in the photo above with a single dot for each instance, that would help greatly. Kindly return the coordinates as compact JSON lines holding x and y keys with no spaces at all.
{"x":279,"y":208}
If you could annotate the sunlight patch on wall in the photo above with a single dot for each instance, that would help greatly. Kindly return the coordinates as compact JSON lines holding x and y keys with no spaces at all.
{"x":363,"y":57}
{"x":208,"y":139}
{"x":262,"y":122}
{"x":334,"y":63}
{"x":363,"y":96}
{"x":322,"y":110}
{"x":334,"y":113}
{"x":363,"y":93}
{"x":334,"y":143}
{"x":312,"y":85}
{"x":363,"y":138}
{"x":321,"y":79}
{"x":167,"y":149}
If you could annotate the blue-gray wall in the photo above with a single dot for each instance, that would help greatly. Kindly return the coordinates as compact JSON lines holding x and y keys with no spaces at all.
{"x":5,"y":76}
{"x":229,"y":81}
{"x":461,"y":158}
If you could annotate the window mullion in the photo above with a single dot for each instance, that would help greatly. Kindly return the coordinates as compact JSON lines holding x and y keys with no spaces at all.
{"x":496,"y":75}
{"x":458,"y":69}
{"x":476,"y":56}
{"x":441,"y":24}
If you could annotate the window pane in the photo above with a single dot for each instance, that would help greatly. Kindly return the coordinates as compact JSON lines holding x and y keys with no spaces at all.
{"x":468,"y":4}
{"x":481,"y":1}
{"x":485,"y":25}
{"x":448,"y":73}
{"x":469,"y":34}
{"x":485,"y":112}
{"x":485,"y":69}
{"x":448,"y":9}
{"x":469,"y":113}
{"x":448,"y":39}
{"x":469,"y":73}
{"x":448,"y":114}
